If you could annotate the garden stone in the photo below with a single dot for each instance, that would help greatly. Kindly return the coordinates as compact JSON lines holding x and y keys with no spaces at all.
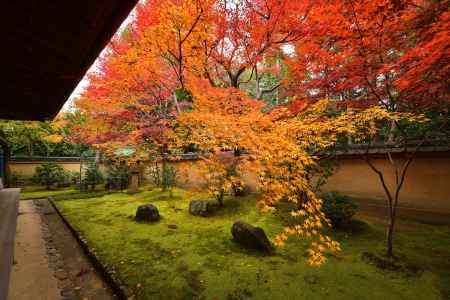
{"x":147,"y":213}
{"x":199,"y":208}
{"x":250,"y":236}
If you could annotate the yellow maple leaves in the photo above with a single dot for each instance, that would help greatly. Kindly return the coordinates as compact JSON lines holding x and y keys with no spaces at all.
{"x":282,"y":150}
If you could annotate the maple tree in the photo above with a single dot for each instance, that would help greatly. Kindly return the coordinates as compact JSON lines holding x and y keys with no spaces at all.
{"x":33,"y":138}
{"x":136,"y":92}
{"x":141,"y":79}
{"x":365,"y":53}
{"x":282,"y":146}
{"x":247,"y":32}
{"x":178,"y":74}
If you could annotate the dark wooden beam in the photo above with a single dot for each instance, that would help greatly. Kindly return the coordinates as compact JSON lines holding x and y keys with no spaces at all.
{"x":47,"y":48}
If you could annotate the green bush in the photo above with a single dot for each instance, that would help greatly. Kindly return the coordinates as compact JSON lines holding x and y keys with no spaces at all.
{"x":74,"y":177}
{"x":19,"y":180}
{"x":118,"y":177}
{"x":65,"y":179}
{"x":68,"y":178}
{"x":338,"y":208}
{"x":92,"y":177}
{"x":49,"y":174}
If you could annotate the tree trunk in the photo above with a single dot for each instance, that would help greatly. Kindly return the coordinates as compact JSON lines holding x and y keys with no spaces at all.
{"x":391,"y":135}
{"x":80,"y":179}
{"x":97,"y":157}
{"x":30,"y":149}
{"x":234,"y":81}
{"x":392,"y":198}
{"x":389,"y":237}
{"x":220,"y":198}
{"x":163,"y":169}
{"x":175,"y":102}
{"x":258,"y":90}
{"x":302,"y":199}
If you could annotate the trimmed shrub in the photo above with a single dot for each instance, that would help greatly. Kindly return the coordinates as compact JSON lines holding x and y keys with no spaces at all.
{"x":338,"y":208}
{"x":93,"y":176}
{"x":19,"y":180}
{"x":118,"y":177}
{"x":74,"y":177}
{"x":49,"y":174}
{"x":67,"y":178}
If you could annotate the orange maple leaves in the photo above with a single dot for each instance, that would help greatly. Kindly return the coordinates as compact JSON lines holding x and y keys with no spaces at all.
{"x":176,"y":77}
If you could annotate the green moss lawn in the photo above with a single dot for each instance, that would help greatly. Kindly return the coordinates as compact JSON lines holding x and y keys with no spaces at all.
{"x":198,"y":259}
{"x":39,"y":192}
{"x":36,"y":192}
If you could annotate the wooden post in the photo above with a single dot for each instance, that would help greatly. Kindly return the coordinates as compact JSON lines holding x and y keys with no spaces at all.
{"x":6,"y":157}
{"x":134,"y":184}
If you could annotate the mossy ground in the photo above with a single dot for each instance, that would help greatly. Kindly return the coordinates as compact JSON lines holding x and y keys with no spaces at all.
{"x":199,"y":260}
{"x":39,"y":192}
{"x":36,"y":192}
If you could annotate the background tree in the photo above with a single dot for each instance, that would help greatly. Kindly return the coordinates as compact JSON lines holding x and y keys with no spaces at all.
{"x":36,"y":139}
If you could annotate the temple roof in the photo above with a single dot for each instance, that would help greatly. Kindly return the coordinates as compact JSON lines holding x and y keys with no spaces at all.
{"x":47,"y":48}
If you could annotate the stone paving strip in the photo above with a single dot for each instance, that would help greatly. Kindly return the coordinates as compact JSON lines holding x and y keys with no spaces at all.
{"x":31,"y":276}
{"x":49,"y":264}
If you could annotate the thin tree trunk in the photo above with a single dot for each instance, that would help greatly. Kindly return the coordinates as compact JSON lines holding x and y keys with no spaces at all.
{"x":175,"y":102}
{"x":391,"y":136}
{"x":220,"y":198}
{"x":163,"y":169}
{"x":390,"y":207}
{"x":390,"y":236}
{"x":234,"y":81}
{"x":390,"y":229}
{"x":259,"y":92}
{"x":97,"y":156}
{"x":392,"y":198}
{"x":81,"y":169}
{"x":257,"y":83}
{"x":30,"y":149}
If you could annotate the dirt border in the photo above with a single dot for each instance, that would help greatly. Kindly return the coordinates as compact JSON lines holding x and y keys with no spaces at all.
{"x":54,"y":258}
{"x":96,"y":263}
